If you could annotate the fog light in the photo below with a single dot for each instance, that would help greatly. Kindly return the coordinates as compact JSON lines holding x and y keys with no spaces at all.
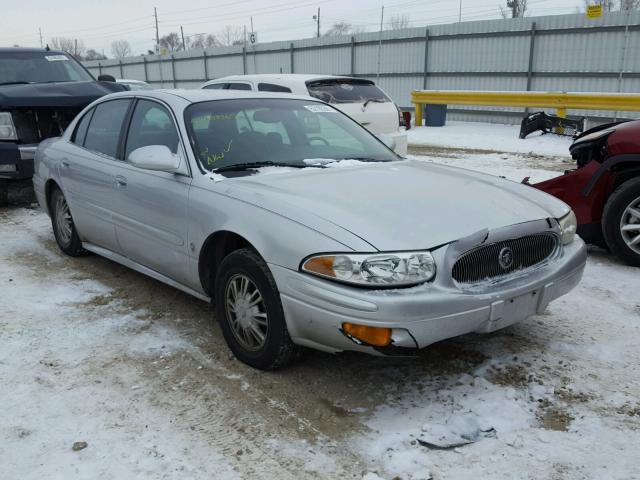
{"x":376,"y":336}
{"x":7,"y":168}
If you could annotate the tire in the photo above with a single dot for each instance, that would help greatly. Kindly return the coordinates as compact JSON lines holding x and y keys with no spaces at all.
{"x":63,"y":227}
{"x":619,"y":220}
{"x":4,"y":193}
{"x":244,"y":314}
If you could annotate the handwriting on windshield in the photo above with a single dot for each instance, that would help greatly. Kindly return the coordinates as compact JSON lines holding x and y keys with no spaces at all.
{"x":216,"y":157}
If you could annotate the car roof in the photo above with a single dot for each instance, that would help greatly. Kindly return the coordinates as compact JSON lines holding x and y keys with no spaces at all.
{"x":194,"y":96}
{"x":29,"y":50}
{"x":282,"y":77}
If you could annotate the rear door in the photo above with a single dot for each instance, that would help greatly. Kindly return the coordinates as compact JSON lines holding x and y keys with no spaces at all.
{"x":151,"y":206}
{"x":361,"y":99}
{"x":88,"y":171}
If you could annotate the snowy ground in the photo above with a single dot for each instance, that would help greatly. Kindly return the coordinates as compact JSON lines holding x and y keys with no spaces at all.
{"x":92,"y":352}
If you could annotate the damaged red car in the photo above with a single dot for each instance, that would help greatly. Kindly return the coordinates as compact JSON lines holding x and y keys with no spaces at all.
{"x":604,"y":189}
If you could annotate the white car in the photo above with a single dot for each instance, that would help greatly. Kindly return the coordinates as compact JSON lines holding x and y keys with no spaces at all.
{"x":134,"y":84}
{"x":359,"y":98}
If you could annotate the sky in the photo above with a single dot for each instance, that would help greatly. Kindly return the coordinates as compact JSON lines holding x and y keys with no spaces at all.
{"x":98,"y":22}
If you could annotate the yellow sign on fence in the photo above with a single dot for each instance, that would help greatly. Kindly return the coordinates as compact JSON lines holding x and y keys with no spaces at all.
{"x":594,"y":11}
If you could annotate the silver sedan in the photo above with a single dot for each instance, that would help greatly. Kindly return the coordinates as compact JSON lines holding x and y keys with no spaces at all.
{"x":305,"y":229}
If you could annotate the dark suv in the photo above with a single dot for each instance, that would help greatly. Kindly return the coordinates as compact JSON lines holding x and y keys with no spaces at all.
{"x":40,"y":93}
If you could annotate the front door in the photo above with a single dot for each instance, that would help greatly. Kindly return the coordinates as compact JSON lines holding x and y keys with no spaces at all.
{"x":151,"y":206}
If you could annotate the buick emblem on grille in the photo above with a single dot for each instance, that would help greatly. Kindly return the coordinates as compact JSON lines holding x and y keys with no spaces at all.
{"x":505,"y":258}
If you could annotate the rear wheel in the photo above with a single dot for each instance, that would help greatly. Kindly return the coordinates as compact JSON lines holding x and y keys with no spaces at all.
{"x":621,"y":222}
{"x":250,"y":313}
{"x":63,"y":227}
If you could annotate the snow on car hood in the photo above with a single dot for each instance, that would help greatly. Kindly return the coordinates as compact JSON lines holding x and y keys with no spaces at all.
{"x":403,"y":205}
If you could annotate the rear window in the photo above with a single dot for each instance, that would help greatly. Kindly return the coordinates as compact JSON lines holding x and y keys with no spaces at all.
{"x":346,"y":91}
{"x":271,"y":87}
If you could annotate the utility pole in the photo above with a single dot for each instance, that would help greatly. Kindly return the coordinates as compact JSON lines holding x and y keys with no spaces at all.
{"x":460,"y":13}
{"x":317,"y":19}
{"x":184,"y":47}
{"x":40,"y":32}
{"x":380,"y":42}
{"x":155,"y":14}
{"x":75,"y":47}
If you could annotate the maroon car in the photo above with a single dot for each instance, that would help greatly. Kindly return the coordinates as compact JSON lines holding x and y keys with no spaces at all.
{"x":604,"y":191}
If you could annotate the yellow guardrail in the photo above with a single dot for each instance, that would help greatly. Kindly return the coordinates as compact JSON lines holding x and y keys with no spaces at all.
{"x":561,"y":101}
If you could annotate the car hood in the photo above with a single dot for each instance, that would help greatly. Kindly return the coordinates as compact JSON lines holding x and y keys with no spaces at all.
{"x":403,"y":205}
{"x":63,"y":94}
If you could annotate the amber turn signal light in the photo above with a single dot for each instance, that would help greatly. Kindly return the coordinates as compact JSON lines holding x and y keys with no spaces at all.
{"x":376,"y":336}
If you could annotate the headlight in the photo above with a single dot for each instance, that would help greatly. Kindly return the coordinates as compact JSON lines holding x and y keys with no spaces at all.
{"x":568,"y":227}
{"x":377,"y":270}
{"x":7,"y":129}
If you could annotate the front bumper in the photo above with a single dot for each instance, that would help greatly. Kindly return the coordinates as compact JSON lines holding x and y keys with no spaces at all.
{"x":16,"y":161}
{"x":315,"y":309}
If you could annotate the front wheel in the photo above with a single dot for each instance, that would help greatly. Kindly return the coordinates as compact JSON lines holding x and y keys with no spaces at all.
{"x":621,"y":222}
{"x":250,"y":313}
{"x":63,"y":227}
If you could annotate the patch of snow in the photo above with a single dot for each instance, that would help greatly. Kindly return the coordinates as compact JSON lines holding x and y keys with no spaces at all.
{"x":489,"y":136}
{"x":275,"y":170}
{"x":216,"y":177}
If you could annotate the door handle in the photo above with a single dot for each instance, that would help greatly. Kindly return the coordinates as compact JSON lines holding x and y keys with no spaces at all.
{"x":65,"y":163}
{"x":121,"y":181}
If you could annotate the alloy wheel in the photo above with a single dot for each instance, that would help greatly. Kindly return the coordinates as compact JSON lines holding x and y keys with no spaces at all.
{"x":246,"y":312}
{"x":630,"y":225}
{"x":64,"y":223}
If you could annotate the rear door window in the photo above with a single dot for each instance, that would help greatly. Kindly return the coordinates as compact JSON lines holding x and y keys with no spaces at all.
{"x":81,"y":129}
{"x":103,"y":133}
{"x":271,"y":87}
{"x":346,"y":91}
{"x":238,"y":86}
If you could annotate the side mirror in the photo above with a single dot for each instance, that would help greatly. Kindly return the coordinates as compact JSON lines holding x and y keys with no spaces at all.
{"x":388,"y":140}
{"x":106,"y":78}
{"x":155,"y":157}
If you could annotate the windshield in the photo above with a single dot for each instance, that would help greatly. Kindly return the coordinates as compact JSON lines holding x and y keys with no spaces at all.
{"x":284,"y":132}
{"x":40,"y":67}
{"x":346,"y":91}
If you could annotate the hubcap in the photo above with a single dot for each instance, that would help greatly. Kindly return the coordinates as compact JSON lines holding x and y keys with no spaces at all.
{"x":630,"y":225}
{"x":246,"y":312}
{"x":64,"y":224}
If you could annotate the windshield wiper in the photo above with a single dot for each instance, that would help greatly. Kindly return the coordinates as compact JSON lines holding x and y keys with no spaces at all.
{"x":369,"y":100}
{"x":16,"y":83}
{"x":365,"y":159}
{"x":254,"y":165}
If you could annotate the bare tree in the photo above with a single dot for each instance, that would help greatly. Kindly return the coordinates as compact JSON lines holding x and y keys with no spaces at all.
{"x":626,"y":5}
{"x":515,"y":9}
{"x":70,"y":45}
{"x":230,"y":35}
{"x":121,"y":48}
{"x":171,"y":42}
{"x":94,"y":55}
{"x":607,"y":5}
{"x":340,"y":28}
{"x":398,"y":22}
{"x":201,"y":40}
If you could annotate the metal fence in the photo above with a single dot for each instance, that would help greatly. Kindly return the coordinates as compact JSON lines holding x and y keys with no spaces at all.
{"x":554,"y":53}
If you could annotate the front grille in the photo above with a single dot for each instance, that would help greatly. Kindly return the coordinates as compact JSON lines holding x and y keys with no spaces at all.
{"x":35,"y":125}
{"x":492,"y":261}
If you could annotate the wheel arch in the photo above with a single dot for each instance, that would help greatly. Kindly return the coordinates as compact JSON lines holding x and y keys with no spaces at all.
{"x":625,"y":164}
{"x":214,"y":249}
{"x":49,"y":186}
